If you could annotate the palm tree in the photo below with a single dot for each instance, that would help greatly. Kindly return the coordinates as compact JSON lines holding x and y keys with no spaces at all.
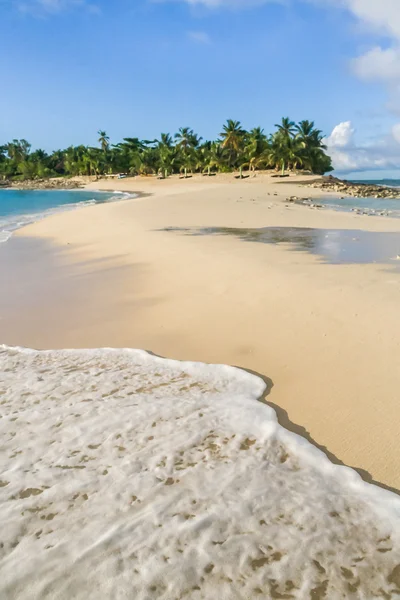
{"x":129,"y":154}
{"x":309,"y":136}
{"x":69,"y":160}
{"x":56,"y":161}
{"x":305,"y":129}
{"x":184,"y":138}
{"x":131,"y":144}
{"x":256,"y":144}
{"x":215,"y":157}
{"x":232,"y":138}
{"x":312,"y":142}
{"x":135,"y":163}
{"x":166,"y":153}
{"x":39,"y":156}
{"x":287,"y":127}
{"x":104,"y":140}
{"x":7,"y":169}
{"x":165,"y":141}
{"x":319,"y":162}
{"x":18,"y":150}
{"x":187,"y":143}
{"x":291,"y":146}
{"x":76,"y":160}
{"x":195,"y":140}
{"x":91,"y":161}
{"x":35,"y":165}
{"x":284,"y":152}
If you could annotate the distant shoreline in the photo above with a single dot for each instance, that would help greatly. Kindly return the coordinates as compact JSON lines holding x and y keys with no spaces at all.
{"x":325,"y":183}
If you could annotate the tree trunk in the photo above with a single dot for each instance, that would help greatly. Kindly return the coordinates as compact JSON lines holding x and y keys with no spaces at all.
{"x":209,"y":171}
{"x":283,"y":168}
{"x":241,"y":172}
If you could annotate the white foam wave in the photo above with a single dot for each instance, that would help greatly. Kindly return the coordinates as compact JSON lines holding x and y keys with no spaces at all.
{"x":119,"y":193}
{"x":124,"y":475}
{"x":5,"y":235}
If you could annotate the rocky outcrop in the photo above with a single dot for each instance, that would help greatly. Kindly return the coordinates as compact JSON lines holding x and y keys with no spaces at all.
{"x":56,"y":183}
{"x":358,"y":190}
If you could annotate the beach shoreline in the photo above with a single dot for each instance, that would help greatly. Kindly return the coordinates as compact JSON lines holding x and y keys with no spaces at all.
{"x":309,"y":327}
{"x":175,"y":474}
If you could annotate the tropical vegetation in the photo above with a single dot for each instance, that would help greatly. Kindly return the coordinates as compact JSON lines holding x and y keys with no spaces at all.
{"x":292,"y":146}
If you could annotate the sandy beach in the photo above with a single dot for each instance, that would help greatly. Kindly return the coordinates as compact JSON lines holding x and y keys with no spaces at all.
{"x":324,"y":336}
{"x":199,"y":300}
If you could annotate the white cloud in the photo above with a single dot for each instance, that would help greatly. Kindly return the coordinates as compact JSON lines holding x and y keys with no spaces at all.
{"x":341,"y":136}
{"x":347,"y":155}
{"x":200,"y":37}
{"x":382,"y":15}
{"x":379,"y":64}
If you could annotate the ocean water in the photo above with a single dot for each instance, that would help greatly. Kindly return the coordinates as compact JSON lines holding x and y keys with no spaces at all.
{"x":368,"y":206}
{"x":21,"y":207}
{"x":124,"y":475}
{"x":385,"y":182}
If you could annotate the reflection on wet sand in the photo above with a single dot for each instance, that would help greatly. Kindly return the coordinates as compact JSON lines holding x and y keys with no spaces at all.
{"x":335,"y":246}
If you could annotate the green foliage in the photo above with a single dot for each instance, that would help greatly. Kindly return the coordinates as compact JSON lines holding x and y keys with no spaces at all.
{"x":104,"y":140}
{"x":291,"y":146}
{"x":233,"y":140}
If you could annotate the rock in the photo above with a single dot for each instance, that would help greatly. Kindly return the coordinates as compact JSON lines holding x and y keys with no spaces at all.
{"x":58,"y":183}
{"x":355,"y":189}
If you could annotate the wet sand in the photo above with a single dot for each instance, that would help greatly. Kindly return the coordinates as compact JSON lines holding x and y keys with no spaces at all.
{"x":333,"y":246}
{"x":326,"y":336}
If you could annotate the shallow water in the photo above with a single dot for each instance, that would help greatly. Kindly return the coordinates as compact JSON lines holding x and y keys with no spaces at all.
{"x":334,"y":246}
{"x":369,"y":206}
{"x":124,"y":475}
{"x":21,"y":207}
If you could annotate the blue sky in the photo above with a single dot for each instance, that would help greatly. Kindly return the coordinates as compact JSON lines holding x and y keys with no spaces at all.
{"x":139,"y":67}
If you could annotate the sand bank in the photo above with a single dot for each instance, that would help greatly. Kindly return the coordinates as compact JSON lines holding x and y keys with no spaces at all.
{"x":327,"y":336}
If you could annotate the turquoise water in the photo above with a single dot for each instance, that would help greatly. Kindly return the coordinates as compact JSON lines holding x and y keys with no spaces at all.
{"x":372,"y":206}
{"x":21,"y":207}
{"x":368,"y":205}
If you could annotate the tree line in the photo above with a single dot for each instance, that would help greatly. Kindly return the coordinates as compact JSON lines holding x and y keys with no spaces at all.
{"x":292,"y":146}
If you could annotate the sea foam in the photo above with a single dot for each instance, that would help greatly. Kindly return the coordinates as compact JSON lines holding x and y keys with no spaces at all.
{"x":124,"y":475}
